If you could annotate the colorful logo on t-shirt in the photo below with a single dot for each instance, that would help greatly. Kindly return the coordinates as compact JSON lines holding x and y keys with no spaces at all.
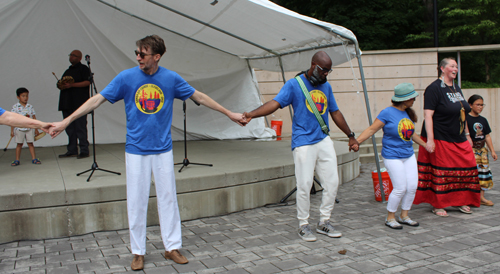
{"x":319,"y":100}
{"x":406,"y":128}
{"x":478,"y":128}
{"x":149,"y":99}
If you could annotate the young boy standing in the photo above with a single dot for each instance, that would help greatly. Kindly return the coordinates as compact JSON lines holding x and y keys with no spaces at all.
{"x":21,"y":134}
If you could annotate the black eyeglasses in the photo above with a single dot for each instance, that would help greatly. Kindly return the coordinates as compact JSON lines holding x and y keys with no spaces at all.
{"x":140,"y":53}
{"x":324,"y":70}
{"x":480,"y":105}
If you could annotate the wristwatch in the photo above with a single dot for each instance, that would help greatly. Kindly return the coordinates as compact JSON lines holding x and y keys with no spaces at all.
{"x":351,"y":134}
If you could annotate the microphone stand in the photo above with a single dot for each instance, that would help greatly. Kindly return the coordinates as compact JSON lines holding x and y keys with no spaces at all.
{"x":186,"y":162}
{"x":313,"y":191}
{"x":94,"y":165}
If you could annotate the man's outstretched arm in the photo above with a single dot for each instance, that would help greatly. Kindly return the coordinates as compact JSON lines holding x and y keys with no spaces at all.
{"x":91,"y":104}
{"x":205,"y":100}
{"x":263,"y":110}
{"x":17,"y":120}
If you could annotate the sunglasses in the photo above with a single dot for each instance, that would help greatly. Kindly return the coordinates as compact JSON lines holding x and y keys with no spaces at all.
{"x":324,"y":70}
{"x":141,"y":54}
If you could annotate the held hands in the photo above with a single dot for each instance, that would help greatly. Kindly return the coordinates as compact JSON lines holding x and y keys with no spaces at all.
{"x":247,"y":117}
{"x":430,"y":146}
{"x":353,"y":144}
{"x":238,"y":118}
{"x":56,"y":128}
{"x":45,"y":128}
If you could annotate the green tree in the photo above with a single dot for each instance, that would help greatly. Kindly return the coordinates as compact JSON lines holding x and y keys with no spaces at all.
{"x":377,"y":24}
{"x":472,"y":22}
{"x":393,"y":24}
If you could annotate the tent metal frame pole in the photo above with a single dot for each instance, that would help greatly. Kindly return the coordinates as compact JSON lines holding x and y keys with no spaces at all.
{"x":257,"y":87}
{"x":212,"y":27}
{"x":368,"y":111}
{"x":299,"y":51}
{"x":161,"y":27}
{"x":284,"y":81}
{"x":459,"y":62}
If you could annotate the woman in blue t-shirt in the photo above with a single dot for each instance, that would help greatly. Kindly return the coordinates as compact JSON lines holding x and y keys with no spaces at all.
{"x":397,"y":122}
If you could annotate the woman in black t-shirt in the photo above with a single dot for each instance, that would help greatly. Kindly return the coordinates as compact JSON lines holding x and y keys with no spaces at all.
{"x":480,"y":134}
{"x":448,"y":176}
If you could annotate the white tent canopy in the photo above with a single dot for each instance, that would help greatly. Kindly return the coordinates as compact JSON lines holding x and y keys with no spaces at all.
{"x":214,"y":45}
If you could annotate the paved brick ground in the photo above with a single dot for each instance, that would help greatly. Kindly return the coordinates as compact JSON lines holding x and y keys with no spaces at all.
{"x":264,"y":240}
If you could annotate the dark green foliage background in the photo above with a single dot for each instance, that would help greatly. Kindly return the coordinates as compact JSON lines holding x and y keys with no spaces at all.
{"x":396,"y":24}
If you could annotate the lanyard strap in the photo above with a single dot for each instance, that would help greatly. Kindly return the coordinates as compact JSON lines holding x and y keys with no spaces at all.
{"x":311,"y":103}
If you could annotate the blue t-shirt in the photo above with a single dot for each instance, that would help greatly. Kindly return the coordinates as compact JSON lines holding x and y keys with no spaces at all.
{"x":305,"y":127}
{"x":148,"y":106}
{"x":2,"y":111}
{"x":398,"y":130}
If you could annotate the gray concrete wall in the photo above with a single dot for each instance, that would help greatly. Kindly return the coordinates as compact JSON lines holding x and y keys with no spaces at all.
{"x":383,"y":71}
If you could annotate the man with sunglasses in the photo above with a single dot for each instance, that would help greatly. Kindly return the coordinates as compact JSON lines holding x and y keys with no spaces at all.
{"x":71,"y":97}
{"x":148,"y":91}
{"x":311,"y":144}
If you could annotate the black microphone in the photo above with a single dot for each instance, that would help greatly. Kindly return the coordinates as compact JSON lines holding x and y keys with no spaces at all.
{"x":87,"y":58}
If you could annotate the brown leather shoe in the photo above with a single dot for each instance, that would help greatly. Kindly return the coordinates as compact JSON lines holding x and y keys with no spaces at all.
{"x":176,"y":256}
{"x":137,"y":262}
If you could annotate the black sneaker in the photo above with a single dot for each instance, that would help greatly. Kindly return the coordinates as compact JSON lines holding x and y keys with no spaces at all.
{"x":67,"y":155}
{"x":82,"y":155}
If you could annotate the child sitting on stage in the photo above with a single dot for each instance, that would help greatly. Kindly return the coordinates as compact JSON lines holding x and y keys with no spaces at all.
{"x":21,"y":134}
{"x":479,"y":131}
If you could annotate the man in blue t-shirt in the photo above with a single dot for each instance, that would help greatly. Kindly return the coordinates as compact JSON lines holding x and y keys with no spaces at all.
{"x":148,"y":92}
{"x":312,"y":147}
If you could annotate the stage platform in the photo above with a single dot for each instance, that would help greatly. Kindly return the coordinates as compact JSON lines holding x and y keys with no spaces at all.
{"x":49,"y":200}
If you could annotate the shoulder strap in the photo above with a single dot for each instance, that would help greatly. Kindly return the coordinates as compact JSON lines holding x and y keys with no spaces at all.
{"x":321,"y":122}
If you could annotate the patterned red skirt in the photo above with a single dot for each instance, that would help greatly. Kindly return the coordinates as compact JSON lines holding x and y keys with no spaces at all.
{"x":448,"y":177}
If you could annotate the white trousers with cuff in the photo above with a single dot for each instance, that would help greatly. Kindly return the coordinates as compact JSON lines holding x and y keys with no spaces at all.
{"x":322,"y":158}
{"x":404,"y":178}
{"x":139,"y":168}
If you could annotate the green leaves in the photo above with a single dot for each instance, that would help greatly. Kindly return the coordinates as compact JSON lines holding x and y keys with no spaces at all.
{"x":393,"y":24}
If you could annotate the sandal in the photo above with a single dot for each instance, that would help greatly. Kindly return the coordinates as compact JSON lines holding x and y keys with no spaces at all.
{"x":440,"y":212}
{"x":465,"y":209}
{"x":15,"y":163}
{"x":393,"y":224}
{"x":36,"y":161}
{"x":487,"y":203}
{"x":407,"y":221}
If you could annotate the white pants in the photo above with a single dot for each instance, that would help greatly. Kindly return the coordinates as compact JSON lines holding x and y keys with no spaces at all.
{"x":404,"y":178}
{"x":139,"y":169}
{"x":320,"y":156}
